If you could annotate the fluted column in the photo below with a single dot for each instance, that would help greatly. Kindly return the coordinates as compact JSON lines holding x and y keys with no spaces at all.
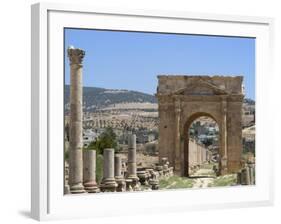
{"x":76,"y":56}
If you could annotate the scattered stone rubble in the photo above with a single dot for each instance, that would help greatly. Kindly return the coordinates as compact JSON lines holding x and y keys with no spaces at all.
{"x":246,"y":176}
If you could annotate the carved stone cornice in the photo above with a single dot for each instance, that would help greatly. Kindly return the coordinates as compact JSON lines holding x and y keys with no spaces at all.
{"x":200,"y":86}
{"x":190,"y":98}
{"x":75,"y":55}
{"x":167,"y":98}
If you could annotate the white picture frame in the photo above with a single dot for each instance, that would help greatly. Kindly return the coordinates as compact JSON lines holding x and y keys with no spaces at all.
{"x":48,"y":201}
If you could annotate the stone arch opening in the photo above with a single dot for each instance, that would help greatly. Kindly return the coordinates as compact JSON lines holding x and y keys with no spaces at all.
{"x":183,"y":98}
{"x":203,"y":152}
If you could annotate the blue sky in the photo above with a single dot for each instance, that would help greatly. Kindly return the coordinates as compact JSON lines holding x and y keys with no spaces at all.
{"x":132,"y":60}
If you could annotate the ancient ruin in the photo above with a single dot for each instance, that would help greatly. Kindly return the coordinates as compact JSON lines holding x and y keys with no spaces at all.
{"x":76,"y":115}
{"x":182,"y":99}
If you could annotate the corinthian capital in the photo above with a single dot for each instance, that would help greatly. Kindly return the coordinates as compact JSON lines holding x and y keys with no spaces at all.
{"x":75,"y":55}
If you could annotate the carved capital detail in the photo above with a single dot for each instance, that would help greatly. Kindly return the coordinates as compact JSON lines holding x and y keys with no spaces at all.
{"x":75,"y":55}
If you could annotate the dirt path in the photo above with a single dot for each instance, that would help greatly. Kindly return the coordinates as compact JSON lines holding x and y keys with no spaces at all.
{"x":203,"y":182}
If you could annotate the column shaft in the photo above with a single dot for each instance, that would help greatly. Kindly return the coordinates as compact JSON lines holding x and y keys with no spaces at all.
{"x":76,"y":132}
{"x":108,"y":181}
{"x":132,"y":151}
{"x":132,"y":162}
{"x":89,"y":171}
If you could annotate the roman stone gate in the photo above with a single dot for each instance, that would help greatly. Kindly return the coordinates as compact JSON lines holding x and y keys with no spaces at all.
{"x":182,"y":99}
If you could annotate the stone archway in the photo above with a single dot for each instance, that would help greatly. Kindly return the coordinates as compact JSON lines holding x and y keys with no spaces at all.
{"x":186,"y":140}
{"x":181,"y":97}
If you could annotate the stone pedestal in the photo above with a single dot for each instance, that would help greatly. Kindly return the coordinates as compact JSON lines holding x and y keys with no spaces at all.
{"x":252,"y":173}
{"x":89,"y":171}
{"x":245,"y":176}
{"x":159,"y":168}
{"x":66,"y":189}
{"x":164,"y":160}
{"x":129,"y":183}
{"x":143,"y":177}
{"x":238,"y":178}
{"x":154,"y":181}
{"x":75,"y":130}
{"x":171,"y":171}
{"x":108,"y":182}
{"x":166,"y":170}
{"x":132,"y":165}
{"x":118,"y":174}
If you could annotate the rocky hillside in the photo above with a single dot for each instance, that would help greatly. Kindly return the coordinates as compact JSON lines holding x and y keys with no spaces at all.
{"x":97,"y":98}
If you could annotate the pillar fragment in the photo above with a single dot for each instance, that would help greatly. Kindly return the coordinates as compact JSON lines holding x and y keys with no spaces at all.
{"x":118,"y":173}
{"x":89,"y":171}
{"x":132,"y":164}
{"x":108,"y":182}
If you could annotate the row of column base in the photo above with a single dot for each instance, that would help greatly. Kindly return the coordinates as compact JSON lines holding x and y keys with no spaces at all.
{"x":108,"y":185}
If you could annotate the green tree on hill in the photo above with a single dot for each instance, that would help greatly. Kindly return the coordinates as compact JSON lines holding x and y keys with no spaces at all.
{"x":106,"y":140}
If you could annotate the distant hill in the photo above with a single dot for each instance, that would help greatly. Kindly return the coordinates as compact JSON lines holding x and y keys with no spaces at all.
{"x":97,"y":98}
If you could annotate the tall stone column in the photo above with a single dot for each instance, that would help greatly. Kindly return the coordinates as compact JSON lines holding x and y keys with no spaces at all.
{"x":76,"y":135}
{"x":89,"y":171}
{"x":223,"y":161}
{"x":132,"y":163}
{"x":118,"y":173}
{"x":178,"y":169}
{"x":108,"y":181}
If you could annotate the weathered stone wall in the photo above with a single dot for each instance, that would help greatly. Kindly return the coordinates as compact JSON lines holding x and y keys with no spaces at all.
{"x":170,"y":83}
{"x":166,"y":141}
{"x":182,"y":99}
{"x":234,"y":135}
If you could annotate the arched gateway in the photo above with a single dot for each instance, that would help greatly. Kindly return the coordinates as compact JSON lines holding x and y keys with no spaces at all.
{"x":182,"y":99}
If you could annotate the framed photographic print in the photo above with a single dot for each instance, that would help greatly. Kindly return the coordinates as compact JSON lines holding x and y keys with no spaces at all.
{"x":151,"y":111}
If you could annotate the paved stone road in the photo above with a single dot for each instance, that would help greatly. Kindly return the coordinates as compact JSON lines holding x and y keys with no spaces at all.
{"x":206,"y":179}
